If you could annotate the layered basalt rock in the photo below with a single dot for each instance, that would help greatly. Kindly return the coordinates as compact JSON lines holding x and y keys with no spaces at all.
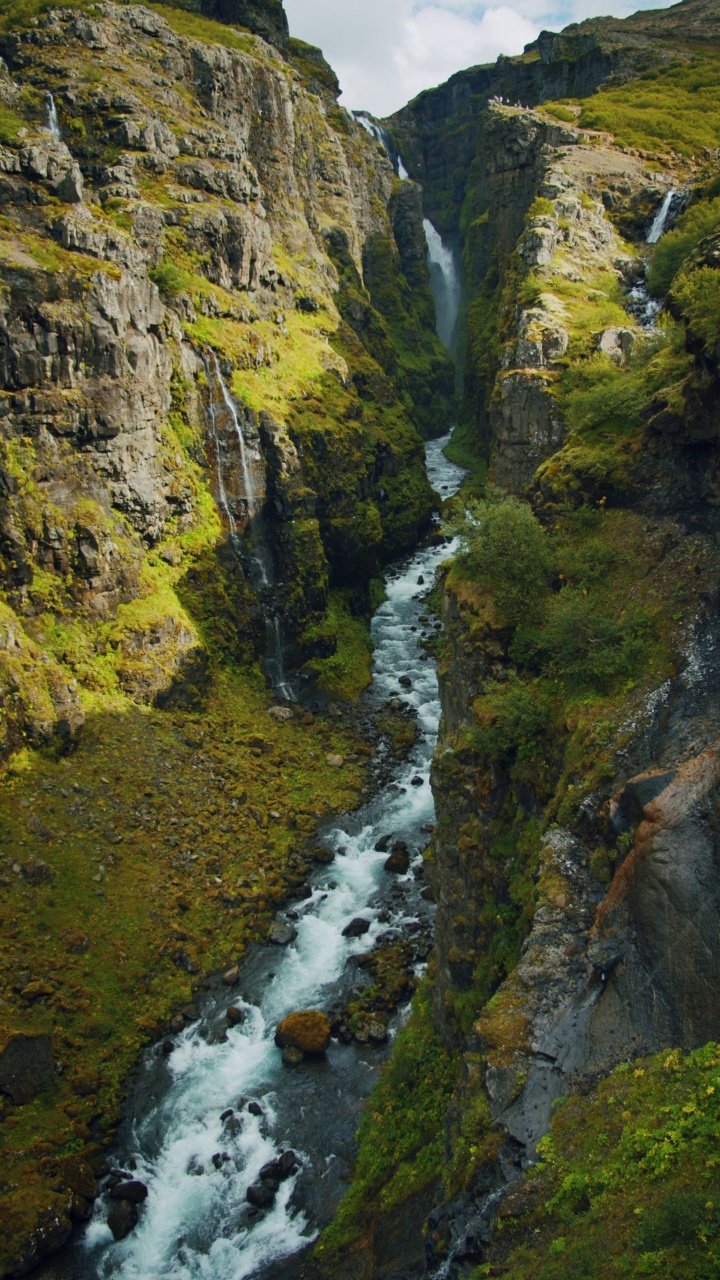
{"x":184,"y":224}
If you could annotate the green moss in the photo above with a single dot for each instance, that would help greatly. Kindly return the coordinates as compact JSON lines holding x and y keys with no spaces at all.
{"x":697,"y":293}
{"x":347,"y":670}
{"x":10,"y":124}
{"x":20,"y":14}
{"x":400,"y":1135}
{"x":628,"y":1175}
{"x":196,"y":27}
{"x":675,"y":108}
{"x":173,"y":809}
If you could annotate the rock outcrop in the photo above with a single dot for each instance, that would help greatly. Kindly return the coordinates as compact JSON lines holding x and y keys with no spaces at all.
{"x":196,"y":273}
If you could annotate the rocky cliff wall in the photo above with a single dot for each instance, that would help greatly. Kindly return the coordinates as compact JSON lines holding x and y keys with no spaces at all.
{"x":574,"y":862}
{"x":207,"y":213}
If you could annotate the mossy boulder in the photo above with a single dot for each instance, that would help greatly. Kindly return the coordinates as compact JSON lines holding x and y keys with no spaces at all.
{"x":307,"y":1030}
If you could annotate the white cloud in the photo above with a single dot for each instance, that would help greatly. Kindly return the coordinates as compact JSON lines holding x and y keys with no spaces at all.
{"x":437,"y":42}
{"x":386,"y":51}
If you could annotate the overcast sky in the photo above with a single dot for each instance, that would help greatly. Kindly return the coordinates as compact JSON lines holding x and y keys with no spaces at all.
{"x":386,"y":51}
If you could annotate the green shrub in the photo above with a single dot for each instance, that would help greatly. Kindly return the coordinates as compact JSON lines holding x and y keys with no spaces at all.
{"x":698,"y":294}
{"x":170,"y":279}
{"x":512,"y":717}
{"x":582,"y":645}
{"x":677,"y":245}
{"x":540,"y":208}
{"x":505,"y":547}
{"x":560,"y":113}
{"x":596,"y":394}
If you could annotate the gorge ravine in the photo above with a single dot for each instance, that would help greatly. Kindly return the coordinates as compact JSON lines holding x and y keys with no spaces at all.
{"x":197,"y":1166}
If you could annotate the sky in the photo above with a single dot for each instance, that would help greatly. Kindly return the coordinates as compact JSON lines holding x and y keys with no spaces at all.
{"x":386,"y":51}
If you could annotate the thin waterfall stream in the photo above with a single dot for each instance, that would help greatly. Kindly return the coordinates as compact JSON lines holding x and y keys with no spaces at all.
{"x":204,"y":1118}
{"x":257,"y":553}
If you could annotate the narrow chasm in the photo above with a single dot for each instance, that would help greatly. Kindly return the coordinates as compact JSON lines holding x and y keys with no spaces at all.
{"x":359,"y":677}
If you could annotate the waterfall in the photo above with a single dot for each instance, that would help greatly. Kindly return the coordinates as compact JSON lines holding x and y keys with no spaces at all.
{"x":444,"y":283}
{"x":381,"y":135}
{"x":661,"y":217}
{"x":259,"y":556}
{"x":248,"y":480}
{"x":53,"y":123}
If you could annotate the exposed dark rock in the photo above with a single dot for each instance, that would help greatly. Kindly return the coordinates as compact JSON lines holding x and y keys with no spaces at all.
{"x":134,"y":1191}
{"x":26,"y":1065}
{"x":122,"y":1218}
{"x":356,"y":928}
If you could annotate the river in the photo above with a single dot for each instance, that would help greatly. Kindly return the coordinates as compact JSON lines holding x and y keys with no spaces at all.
{"x":187,"y":1132}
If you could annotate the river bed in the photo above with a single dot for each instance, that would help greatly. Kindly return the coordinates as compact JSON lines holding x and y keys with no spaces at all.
{"x":209,"y":1111}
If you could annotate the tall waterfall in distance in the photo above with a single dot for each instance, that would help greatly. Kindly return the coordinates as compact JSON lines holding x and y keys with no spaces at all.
{"x":661,"y":217}
{"x":444,"y":283}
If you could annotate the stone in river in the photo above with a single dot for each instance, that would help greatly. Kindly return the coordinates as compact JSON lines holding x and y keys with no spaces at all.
{"x":261,"y":1194}
{"x":287,"y":1164}
{"x":231,"y":976}
{"x":122,"y":1218}
{"x":356,"y":928}
{"x":235,"y":1016}
{"x":135,"y":1191}
{"x":405,"y":681}
{"x":255,"y":1109}
{"x":282,"y":933}
{"x":416,"y":781}
{"x":306,"y":1029}
{"x":323,"y":854}
{"x":398,"y":862}
{"x":292,"y":1056}
{"x":369,"y":1028}
{"x":383,"y":844}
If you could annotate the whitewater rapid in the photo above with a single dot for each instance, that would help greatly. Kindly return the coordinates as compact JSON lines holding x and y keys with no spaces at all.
{"x":188,"y":1134}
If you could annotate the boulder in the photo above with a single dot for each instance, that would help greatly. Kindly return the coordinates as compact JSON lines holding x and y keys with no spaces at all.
{"x":122,"y":1218}
{"x":261,"y":1195}
{"x":383,"y":844}
{"x":323,"y":854}
{"x":26,"y":1064}
{"x":135,"y":1191}
{"x":335,"y":762}
{"x":307,"y":1030}
{"x":399,"y":860}
{"x":234,"y":1015}
{"x":282,"y":933}
{"x":368,"y":1028}
{"x":356,"y":928}
{"x":281,"y":714}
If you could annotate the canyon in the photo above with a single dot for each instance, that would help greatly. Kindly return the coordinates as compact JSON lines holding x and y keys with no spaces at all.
{"x":237,"y":325}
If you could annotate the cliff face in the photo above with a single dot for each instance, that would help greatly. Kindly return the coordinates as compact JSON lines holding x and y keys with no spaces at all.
{"x":574,"y":861}
{"x":218,"y":356}
{"x":203,"y":215}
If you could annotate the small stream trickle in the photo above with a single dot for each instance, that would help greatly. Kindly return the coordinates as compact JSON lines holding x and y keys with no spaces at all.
{"x":189,"y":1133}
